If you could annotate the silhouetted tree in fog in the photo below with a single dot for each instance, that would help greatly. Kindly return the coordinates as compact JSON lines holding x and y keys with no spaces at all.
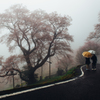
{"x":90,"y":45}
{"x":65,"y":62}
{"x":96,"y":34}
{"x":38,"y":35}
{"x":7,"y":69}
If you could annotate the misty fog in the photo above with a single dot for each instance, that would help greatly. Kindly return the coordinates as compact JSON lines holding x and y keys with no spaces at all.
{"x":84,"y":14}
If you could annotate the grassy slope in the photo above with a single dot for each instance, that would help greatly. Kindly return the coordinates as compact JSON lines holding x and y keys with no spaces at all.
{"x":74,"y":72}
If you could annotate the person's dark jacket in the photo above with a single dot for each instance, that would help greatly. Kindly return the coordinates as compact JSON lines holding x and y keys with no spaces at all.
{"x":87,"y":61}
{"x":94,"y":59}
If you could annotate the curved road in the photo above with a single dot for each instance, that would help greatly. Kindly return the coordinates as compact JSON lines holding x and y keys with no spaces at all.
{"x":83,"y":88}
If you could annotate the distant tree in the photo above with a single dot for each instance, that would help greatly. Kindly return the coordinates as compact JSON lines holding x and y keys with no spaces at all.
{"x":7,"y":68}
{"x":96,"y":34}
{"x":37,"y":34}
{"x":65,"y":62}
{"x":79,"y":58}
{"x":60,"y":72}
{"x":90,"y":45}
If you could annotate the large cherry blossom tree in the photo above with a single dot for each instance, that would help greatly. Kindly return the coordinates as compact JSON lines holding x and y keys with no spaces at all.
{"x":37,"y":34}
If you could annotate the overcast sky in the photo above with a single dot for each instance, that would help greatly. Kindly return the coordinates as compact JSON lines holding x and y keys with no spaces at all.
{"x":84,"y":14}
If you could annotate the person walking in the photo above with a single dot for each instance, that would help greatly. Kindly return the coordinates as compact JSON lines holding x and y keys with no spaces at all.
{"x":87,"y":56}
{"x":94,"y":61}
{"x":87,"y":62}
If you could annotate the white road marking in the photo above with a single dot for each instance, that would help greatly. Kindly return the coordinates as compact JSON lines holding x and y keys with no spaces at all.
{"x":16,"y":93}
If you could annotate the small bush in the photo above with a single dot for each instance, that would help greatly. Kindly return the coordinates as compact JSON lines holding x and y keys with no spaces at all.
{"x":60,"y":72}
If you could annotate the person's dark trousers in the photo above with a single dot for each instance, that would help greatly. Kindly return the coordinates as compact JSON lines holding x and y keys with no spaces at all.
{"x":93,"y":65}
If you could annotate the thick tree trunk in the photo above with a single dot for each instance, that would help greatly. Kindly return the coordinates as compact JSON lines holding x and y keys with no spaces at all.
{"x":31,"y":71}
{"x":28,"y":62}
{"x":31,"y":76}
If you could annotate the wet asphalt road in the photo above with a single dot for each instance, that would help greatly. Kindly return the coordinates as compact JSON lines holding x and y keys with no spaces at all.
{"x":84,"y":88}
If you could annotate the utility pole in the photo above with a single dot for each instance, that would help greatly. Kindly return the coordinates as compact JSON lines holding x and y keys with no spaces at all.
{"x":41,"y":73}
{"x":21,"y":82}
{"x":50,"y":67}
{"x":12,"y":72}
{"x":13,"y":81}
{"x":13,"y":78}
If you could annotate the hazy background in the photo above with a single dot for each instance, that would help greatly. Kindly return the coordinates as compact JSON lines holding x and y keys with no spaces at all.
{"x":84,"y":14}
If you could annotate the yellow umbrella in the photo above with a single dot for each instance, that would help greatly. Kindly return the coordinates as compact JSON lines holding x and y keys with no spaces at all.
{"x":87,"y":54}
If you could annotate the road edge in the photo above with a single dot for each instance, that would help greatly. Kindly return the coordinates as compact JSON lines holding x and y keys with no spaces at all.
{"x":29,"y":90}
